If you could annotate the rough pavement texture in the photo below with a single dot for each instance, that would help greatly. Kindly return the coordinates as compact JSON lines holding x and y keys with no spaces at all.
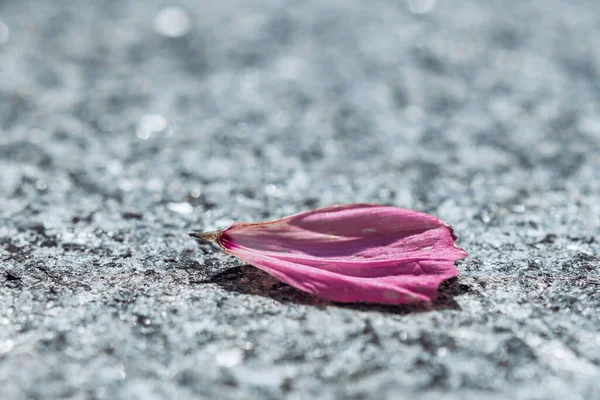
{"x":116,"y":140}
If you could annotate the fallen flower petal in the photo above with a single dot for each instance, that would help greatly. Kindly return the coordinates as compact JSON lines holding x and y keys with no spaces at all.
{"x":350,"y":253}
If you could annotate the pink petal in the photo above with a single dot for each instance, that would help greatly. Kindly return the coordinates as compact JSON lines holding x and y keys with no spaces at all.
{"x":351,"y":253}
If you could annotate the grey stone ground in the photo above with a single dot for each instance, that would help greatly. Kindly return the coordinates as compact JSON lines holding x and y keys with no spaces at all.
{"x":116,"y":140}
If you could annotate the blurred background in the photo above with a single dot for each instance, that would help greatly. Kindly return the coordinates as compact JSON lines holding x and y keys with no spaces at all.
{"x":124,"y":124}
{"x":282,"y":102}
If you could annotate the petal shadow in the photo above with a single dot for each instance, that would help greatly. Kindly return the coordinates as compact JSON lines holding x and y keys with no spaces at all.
{"x":249,"y":280}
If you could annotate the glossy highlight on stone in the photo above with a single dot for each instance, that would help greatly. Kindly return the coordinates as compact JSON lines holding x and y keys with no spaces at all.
{"x":350,"y":253}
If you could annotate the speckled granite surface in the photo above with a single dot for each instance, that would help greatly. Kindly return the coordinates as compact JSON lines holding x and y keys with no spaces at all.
{"x":123,"y":125}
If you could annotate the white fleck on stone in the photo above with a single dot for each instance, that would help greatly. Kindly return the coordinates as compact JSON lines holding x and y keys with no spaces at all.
{"x":196,"y":192}
{"x":230,"y":358}
{"x":6,"y":346}
{"x":150,"y":124}
{"x":172,"y":22}
{"x":41,"y":185}
{"x":181,"y":208}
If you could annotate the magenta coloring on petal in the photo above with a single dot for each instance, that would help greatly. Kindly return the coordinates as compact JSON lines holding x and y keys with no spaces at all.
{"x":350,"y":253}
